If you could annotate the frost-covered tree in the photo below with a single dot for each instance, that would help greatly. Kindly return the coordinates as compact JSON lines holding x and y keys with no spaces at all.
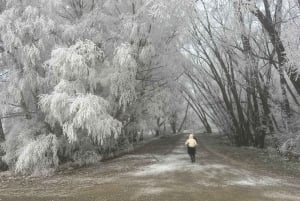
{"x":242,"y":52}
{"x":26,"y":38}
{"x":81,"y":73}
{"x":74,"y":103}
{"x":124,"y":80}
{"x":26,"y":35}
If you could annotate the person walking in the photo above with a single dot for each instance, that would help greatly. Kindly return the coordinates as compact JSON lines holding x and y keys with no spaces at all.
{"x":191,"y":144}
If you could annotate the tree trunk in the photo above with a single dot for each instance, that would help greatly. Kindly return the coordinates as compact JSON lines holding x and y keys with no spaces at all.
{"x":173,"y":127}
{"x":208,"y":128}
{"x":24,"y":107}
{"x":2,"y":136}
{"x":173,"y":122}
{"x":3,"y":165}
{"x":260,"y":139}
{"x":158,"y":124}
{"x":157,"y":132}
{"x":254,"y":86}
{"x":184,"y":118}
{"x":280,"y":51}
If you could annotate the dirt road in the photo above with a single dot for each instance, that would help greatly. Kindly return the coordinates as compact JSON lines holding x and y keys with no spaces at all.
{"x":158,"y":171}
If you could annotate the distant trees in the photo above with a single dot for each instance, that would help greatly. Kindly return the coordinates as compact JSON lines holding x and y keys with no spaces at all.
{"x":167,"y":108}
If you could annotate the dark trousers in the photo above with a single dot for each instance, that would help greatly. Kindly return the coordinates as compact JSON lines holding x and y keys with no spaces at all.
{"x":192,"y":152}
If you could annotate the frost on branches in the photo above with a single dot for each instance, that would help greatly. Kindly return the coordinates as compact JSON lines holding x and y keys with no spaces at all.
{"x":38,"y":156}
{"x":25,"y":34}
{"x":30,"y":149}
{"x":73,"y":103}
{"x":25,"y":39}
{"x":74,"y":70}
{"x":124,"y":79}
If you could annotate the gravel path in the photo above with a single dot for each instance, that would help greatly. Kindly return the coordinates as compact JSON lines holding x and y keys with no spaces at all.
{"x":160,"y":170}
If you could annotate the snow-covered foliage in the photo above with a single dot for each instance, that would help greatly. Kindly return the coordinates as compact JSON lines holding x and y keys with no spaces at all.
{"x":80,"y":79}
{"x":83,"y":78}
{"x":26,"y":38}
{"x":29,"y":148}
{"x":73,"y":104}
{"x":39,"y":156}
{"x":124,"y":79}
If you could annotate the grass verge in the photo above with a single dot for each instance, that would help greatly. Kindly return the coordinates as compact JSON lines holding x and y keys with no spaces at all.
{"x":261,"y":159}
